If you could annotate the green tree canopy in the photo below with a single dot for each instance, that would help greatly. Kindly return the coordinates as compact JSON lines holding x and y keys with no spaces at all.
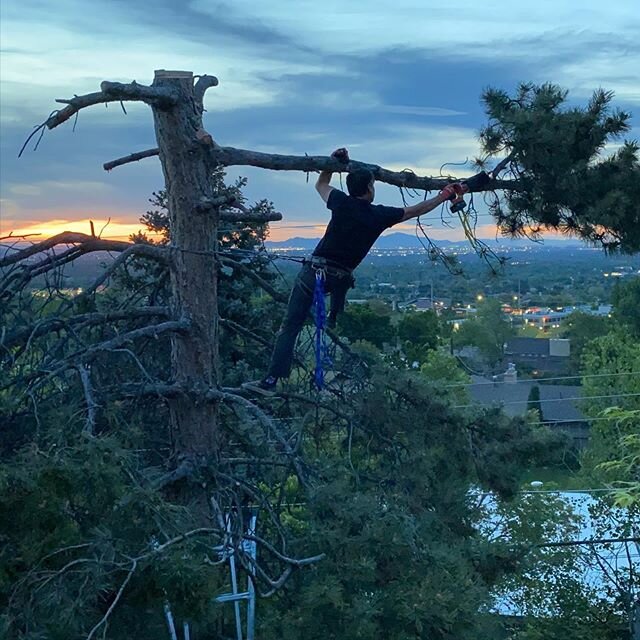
{"x":614,"y":402}
{"x":581,"y":328}
{"x":565,"y":181}
{"x":488,"y":331}
{"x":626,"y":304}
{"x":361,"y":322}
{"x":418,"y":332}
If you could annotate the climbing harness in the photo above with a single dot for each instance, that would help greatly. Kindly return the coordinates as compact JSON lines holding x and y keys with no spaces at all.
{"x":320,"y":317}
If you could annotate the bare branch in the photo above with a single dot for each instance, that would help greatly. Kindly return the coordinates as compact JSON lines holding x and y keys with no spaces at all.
{"x":201,"y":86}
{"x":232,"y":216}
{"x":215,"y":395}
{"x":66,"y":237}
{"x":12,"y":236}
{"x":206,"y":204}
{"x":133,"y":157}
{"x":243,"y":331}
{"x":230,"y":156}
{"x":105,"y":618}
{"x":112,"y":92}
{"x":245,"y":270}
{"x":155,"y":330}
{"x":243,"y":215}
{"x":501,"y":165}
{"x":83,"y":371}
{"x":87,"y":355}
{"x":161,"y":254}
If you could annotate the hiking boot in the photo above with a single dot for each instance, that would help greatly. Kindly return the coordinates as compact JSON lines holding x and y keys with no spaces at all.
{"x":265,"y":387}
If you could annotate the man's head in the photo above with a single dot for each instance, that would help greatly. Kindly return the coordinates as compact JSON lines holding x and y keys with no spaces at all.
{"x":360,"y":184}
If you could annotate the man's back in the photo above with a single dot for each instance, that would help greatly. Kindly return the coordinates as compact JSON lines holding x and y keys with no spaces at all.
{"x":354,"y":227}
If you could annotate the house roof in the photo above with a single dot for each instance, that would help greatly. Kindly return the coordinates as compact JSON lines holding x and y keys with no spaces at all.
{"x":528,"y":346}
{"x":554,"y":399}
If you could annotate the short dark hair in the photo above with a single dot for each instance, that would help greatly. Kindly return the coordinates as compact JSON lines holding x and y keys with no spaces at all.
{"x":358,"y":182}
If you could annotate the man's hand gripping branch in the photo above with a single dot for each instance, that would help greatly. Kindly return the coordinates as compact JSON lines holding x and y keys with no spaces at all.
{"x":322,"y":183}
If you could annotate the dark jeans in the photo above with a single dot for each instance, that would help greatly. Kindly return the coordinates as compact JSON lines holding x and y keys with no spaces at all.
{"x":300,"y":302}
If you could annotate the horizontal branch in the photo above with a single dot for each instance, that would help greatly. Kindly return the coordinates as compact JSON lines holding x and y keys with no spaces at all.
{"x":230,"y":156}
{"x":577,"y":543}
{"x":133,"y":157}
{"x":233,"y":216}
{"x":48,"y":325}
{"x":243,"y":331}
{"x":278,"y":296}
{"x":155,"y":330}
{"x":66,"y":237}
{"x":219,"y":395}
{"x":141,"y":250}
{"x":112,"y":92}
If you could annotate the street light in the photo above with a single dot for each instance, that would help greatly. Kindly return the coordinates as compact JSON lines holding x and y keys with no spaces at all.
{"x":480,"y":297}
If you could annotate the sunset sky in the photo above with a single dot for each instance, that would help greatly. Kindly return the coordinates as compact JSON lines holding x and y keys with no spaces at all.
{"x":398,"y":83}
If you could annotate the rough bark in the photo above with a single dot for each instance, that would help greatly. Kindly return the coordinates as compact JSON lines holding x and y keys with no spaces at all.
{"x":187,"y":167}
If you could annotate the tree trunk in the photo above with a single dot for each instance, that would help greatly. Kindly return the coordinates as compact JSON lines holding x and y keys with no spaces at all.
{"x":187,"y":171}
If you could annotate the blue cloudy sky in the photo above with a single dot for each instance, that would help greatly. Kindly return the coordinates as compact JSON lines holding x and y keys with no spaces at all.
{"x":398,"y":83}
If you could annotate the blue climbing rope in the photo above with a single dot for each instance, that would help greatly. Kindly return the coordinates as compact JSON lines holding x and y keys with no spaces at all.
{"x":320,"y":317}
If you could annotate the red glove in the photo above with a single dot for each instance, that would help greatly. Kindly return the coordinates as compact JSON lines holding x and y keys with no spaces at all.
{"x":451,"y":191}
{"x":342,"y":155}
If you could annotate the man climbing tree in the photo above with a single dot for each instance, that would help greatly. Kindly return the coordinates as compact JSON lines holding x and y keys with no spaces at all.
{"x":355,"y":225}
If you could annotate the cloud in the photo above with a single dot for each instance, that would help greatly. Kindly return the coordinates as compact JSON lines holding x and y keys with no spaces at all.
{"x":49,"y":188}
{"x":398,"y":83}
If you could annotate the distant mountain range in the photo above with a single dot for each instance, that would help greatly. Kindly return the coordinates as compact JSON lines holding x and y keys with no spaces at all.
{"x":395,"y":241}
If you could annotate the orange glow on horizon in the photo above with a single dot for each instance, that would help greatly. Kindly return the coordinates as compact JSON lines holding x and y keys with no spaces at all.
{"x":122,"y":229}
{"x":105,"y":228}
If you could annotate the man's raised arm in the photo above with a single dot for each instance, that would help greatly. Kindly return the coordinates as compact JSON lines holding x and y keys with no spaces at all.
{"x":429,"y":205}
{"x":322,"y":184}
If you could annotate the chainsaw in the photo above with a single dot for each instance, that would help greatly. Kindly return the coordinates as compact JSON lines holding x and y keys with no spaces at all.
{"x":474,"y":183}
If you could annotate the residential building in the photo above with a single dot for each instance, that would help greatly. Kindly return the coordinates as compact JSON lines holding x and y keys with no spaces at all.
{"x":559,"y":404}
{"x":549,"y":355}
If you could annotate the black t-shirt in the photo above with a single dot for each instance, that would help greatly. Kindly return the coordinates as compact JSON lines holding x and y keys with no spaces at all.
{"x":354,"y":226}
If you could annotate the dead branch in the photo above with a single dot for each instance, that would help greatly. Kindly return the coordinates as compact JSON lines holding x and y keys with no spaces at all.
{"x":125,"y":582}
{"x":243,"y":331}
{"x":217,"y":395}
{"x":51,"y":324}
{"x":66,"y":237}
{"x":90,"y":353}
{"x":133,"y":157}
{"x":83,"y":372}
{"x":155,"y":330}
{"x":250,"y":273}
{"x":113,"y":92}
{"x":202,"y":85}
{"x":232,"y":216}
{"x":230,"y":156}
{"x":266,"y":422}
{"x":140,"y":250}
{"x":501,"y":165}
{"x":20,"y":236}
